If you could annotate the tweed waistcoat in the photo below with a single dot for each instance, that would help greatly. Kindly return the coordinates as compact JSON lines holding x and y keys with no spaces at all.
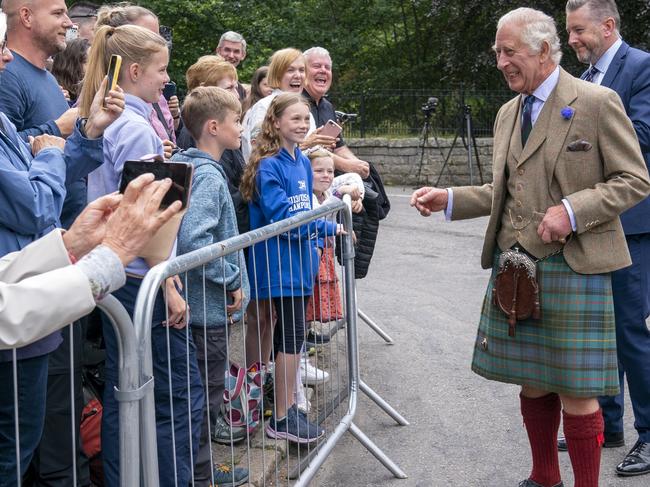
{"x":528,"y":194}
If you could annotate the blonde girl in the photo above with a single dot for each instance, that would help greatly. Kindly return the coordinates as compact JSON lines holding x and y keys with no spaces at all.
{"x":142,"y":77}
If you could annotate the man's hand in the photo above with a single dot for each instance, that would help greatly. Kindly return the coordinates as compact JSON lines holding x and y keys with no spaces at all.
{"x":44,"y":141}
{"x":89,"y":229}
{"x":138,"y":217}
{"x":315,"y":138}
{"x":362,"y":168}
{"x":237,"y":297}
{"x":168,"y":148}
{"x":66,"y":121}
{"x":101,"y":116}
{"x":555,"y":226}
{"x":428,"y":200}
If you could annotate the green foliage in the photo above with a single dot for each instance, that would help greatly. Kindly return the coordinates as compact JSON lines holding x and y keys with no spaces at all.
{"x":388,"y":44}
{"x":375,"y":44}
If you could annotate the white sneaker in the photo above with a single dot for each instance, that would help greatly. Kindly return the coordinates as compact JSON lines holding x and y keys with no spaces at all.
{"x":309,"y":374}
{"x":302,"y":402}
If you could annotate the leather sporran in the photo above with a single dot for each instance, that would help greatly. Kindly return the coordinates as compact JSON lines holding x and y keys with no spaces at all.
{"x":515,"y":290}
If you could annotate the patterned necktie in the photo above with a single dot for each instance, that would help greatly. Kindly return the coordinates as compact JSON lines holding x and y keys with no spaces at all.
{"x":591,"y":74}
{"x":527,"y":119}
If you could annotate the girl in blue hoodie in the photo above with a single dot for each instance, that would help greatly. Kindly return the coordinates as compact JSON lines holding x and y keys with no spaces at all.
{"x":277,"y":183}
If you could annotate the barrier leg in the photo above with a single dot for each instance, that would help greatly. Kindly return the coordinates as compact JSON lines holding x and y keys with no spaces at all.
{"x":375,"y":327}
{"x":376,"y":451}
{"x":379,"y":401}
{"x":127,"y":395}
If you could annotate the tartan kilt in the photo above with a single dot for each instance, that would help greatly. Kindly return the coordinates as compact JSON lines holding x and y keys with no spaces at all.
{"x":570,"y":350}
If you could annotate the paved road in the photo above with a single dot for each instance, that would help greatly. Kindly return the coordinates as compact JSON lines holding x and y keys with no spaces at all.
{"x":425,"y":288}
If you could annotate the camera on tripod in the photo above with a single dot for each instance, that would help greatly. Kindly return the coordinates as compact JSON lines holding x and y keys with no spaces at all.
{"x":430,"y":106}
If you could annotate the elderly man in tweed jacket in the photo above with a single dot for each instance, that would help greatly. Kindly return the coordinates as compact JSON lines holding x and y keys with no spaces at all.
{"x":566,"y":163}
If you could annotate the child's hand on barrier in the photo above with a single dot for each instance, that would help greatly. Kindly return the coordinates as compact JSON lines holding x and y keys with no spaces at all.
{"x":353,"y":191}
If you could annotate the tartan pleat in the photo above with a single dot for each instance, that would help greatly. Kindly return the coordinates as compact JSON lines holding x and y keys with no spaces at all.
{"x":571,"y":350}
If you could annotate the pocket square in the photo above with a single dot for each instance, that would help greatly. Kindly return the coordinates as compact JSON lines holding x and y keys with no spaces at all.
{"x":578,"y":145}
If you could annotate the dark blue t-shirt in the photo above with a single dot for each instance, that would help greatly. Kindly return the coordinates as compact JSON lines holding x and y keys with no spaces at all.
{"x":32,"y":99}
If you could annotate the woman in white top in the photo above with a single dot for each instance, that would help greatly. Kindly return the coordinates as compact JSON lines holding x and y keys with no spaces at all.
{"x":286,"y":74}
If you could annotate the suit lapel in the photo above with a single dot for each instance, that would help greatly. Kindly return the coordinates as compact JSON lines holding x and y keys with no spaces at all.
{"x":537,"y":135}
{"x":564,"y":95}
{"x":615,"y":65}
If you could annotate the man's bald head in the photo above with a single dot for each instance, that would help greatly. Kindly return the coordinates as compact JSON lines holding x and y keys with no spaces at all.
{"x":36,"y":28}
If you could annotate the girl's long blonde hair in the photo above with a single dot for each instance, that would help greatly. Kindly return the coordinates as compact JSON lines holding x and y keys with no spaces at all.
{"x":135,"y":44}
{"x":268,"y":142}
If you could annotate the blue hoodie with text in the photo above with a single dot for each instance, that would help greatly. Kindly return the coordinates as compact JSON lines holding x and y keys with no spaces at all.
{"x":284,"y":189}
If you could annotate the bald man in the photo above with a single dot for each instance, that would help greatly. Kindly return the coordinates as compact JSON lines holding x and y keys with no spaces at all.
{"x":33,"y":101}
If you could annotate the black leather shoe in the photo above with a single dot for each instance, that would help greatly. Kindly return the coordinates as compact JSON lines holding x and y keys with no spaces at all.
{"x":636,"y":462}
{"x":531,"y":483}
{"x":612,"y":440}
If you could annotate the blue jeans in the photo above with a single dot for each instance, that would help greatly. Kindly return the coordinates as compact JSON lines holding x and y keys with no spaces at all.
{"x":32,"y":388}
{"x":186,"y":427}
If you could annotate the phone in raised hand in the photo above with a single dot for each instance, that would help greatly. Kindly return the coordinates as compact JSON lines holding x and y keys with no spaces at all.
{"x":331,"y":129}
{"x":179,"y":172}
{"x":113,"y":74}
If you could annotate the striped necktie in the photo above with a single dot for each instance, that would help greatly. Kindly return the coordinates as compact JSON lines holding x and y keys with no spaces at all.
{"x":591,"y":74}
{"x":527,"y":119}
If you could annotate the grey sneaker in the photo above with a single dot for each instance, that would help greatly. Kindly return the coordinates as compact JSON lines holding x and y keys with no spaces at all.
{"x":294,"y":427}
{"x":226,"y":476}
{"x":224,"y":434}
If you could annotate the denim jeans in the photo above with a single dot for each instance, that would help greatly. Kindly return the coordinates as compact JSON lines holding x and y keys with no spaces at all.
{"x":32,"y":388}
{"x":187,"y":428}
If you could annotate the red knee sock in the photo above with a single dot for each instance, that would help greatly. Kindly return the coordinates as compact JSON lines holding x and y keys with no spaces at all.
{"x":542,"y":421}
{"x":584,"y":439}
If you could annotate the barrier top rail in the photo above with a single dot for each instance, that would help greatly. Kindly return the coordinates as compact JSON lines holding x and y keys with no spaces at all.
{"x":203,"y":256}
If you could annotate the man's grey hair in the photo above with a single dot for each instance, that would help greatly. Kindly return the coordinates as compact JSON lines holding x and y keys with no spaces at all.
{"x":536,"y":29}
{"x":599,"y":10}
{"x":232,"y":36}
{"x":317,"y":51}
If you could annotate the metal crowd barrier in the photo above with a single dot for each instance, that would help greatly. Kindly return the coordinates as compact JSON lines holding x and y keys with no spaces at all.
{"x":269,"y":461}
{"x":128,"y":395}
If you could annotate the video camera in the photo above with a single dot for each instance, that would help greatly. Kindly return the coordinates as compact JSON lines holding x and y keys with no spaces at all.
{"x":430,"y":106}
{"x":343,"y":117}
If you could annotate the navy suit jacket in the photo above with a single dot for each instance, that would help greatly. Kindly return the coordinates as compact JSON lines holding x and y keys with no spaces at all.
{"x":629,"y":76}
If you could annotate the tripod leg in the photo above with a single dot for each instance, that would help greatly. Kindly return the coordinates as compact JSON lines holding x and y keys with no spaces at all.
{"x":425,"y":139}
{"x":451,"y":149}
{"x":478,"y":161}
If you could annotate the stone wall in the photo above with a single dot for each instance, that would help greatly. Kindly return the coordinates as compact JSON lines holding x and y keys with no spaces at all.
{"x":398,"y":160}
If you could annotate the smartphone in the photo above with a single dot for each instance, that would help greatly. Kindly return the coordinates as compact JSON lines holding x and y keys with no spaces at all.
{"x":331,"y":129}
{"x":179,"y":172}
{"x":169,"y":90}
{"x":113,"y":74}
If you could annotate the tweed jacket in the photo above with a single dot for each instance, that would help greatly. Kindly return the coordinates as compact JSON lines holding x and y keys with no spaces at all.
{"x":599,"y":183}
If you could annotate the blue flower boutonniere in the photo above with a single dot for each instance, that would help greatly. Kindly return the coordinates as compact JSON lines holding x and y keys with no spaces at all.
{"x":567,"y":113}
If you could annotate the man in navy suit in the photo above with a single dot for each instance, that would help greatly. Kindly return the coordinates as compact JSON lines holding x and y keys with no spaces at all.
{"x":593,"y":26}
